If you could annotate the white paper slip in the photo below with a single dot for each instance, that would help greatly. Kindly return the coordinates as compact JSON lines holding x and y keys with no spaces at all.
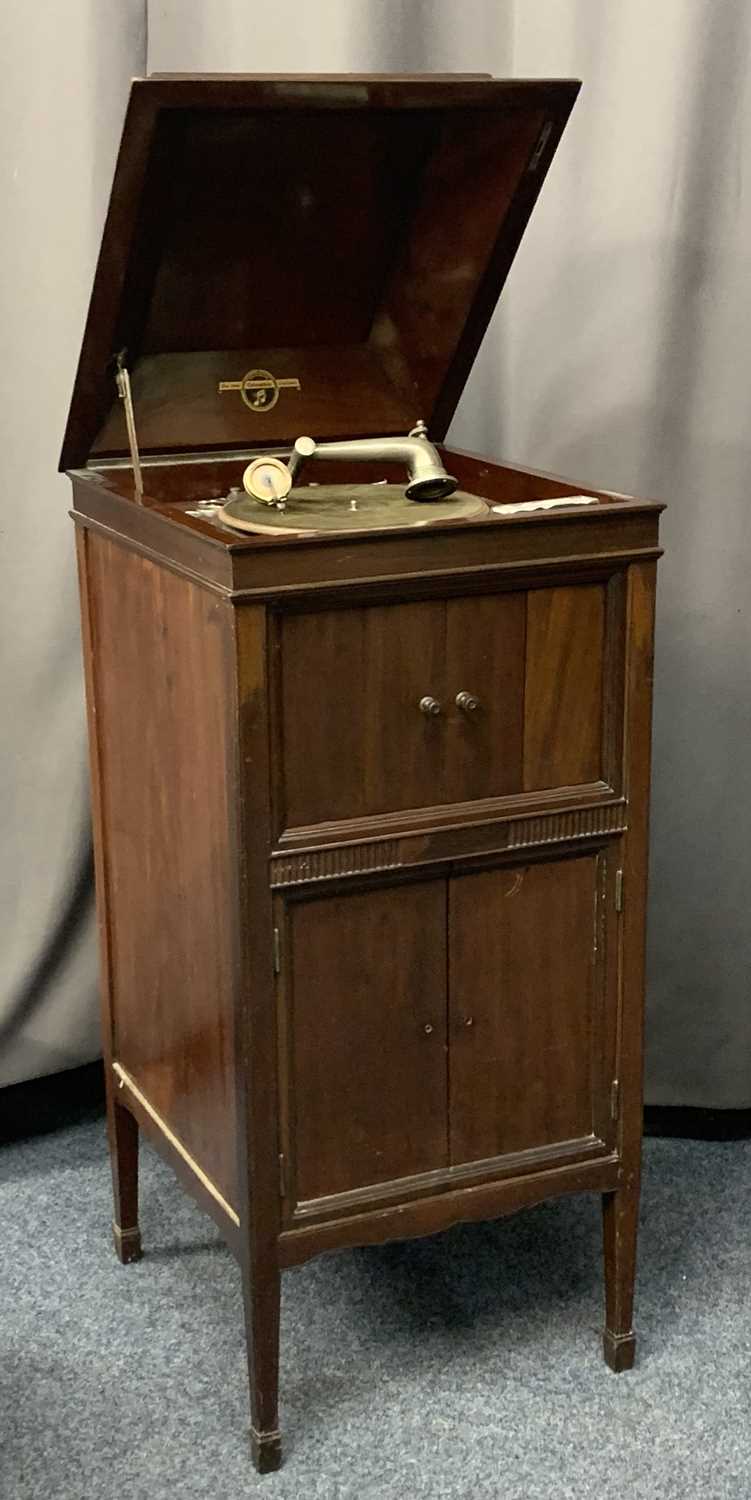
{"x":527,"y":505}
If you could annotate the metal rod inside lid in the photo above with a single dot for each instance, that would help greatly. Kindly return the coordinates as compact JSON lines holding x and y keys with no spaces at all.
{"x":124,"y":392}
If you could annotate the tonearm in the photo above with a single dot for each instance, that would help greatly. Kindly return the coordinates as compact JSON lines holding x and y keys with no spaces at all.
{"x":270,"y":479}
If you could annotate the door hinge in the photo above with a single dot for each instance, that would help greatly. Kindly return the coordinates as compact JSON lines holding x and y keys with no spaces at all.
{"x":619,"y":890}
{"x":282,"y":1176}
{"x":277,"y":951}
{"x":615,"y":1099}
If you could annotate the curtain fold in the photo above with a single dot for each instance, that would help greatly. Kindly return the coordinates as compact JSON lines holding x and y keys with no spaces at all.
{"x":619,"y":356}
{"x":627,"y":342}
{"x":66,"y":71}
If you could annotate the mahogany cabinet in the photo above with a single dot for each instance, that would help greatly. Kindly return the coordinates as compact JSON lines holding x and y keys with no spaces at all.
{"x":368,"y":970}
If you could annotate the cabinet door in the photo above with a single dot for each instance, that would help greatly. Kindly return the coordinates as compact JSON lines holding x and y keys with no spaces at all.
{"x":564,"y":687}
{"x":519,"y":676}
{"x":352,"y":739}
{"x":485,"y":660}
{"x":363,"y":1025}
{"x":529,"y":1022}
{"x":533,"y":665}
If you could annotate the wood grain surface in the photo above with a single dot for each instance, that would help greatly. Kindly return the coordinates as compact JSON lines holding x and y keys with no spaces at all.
{"x":366,"y":1006}
{"x":161,"y":701}
{"x":564,"y":687}
{"x":522,"y":974}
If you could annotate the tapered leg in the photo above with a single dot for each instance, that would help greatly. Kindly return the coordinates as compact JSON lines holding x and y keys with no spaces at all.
{"x":123,"y":1134}
{"x":262,"y":1293}
{"x":620,"y":1219}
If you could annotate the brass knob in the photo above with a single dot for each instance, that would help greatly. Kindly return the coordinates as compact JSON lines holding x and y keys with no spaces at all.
{"x":467,"y":702}
{"x":430,"y":706}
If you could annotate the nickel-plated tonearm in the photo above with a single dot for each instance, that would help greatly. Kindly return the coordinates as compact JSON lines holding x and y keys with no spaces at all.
{"x":270,"y":479}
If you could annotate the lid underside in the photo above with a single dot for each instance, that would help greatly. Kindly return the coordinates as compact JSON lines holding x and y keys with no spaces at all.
{"x":330,"y":250}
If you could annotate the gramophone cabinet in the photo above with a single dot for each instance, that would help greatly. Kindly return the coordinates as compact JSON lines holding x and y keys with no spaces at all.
{"x":370,"y":968}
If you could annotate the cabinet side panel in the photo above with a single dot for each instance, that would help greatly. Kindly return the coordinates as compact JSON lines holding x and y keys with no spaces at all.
{"x":640,"y":667}
{"x":161,"y":691}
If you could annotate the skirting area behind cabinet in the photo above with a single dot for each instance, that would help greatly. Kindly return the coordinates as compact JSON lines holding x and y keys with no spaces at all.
{"x":466,"y":1365}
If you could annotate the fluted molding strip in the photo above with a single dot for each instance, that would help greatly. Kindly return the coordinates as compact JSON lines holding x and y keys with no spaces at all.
{"x":331,"y":864}
{"x":566,"y":826}
{"x":560,"y":827}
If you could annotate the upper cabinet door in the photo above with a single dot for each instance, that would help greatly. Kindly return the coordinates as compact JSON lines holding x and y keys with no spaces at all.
{"x":484,"y":696}
{"x":564,"y":687}
{"x":363,"y":1038}
{"x":524,"y":688}
{"x":353,"y":739}
{"x":531,"y":1009}
{"x":528,"y":692}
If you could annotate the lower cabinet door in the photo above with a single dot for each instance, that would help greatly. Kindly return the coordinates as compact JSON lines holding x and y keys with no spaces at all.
{"x":363,"y":1038}
{"x":531,"y":1009}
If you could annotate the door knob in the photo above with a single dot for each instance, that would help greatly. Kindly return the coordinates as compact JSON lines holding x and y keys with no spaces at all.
{"x":430,"y":706}
{"x":467,"y":702}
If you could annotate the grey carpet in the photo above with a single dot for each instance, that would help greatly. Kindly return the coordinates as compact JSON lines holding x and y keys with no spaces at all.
{"x":466,"y":1365}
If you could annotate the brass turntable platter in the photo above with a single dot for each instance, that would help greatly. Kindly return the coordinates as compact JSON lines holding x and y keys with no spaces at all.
{"x":346,"y":507}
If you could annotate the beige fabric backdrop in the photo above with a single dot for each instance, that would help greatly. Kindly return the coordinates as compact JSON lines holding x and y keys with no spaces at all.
{"x":620,"y":356}
{"x":66,"y":66}
{"x":628,"y":347}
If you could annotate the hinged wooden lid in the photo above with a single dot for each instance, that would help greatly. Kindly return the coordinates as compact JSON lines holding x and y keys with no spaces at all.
{"x":304,"y":255}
